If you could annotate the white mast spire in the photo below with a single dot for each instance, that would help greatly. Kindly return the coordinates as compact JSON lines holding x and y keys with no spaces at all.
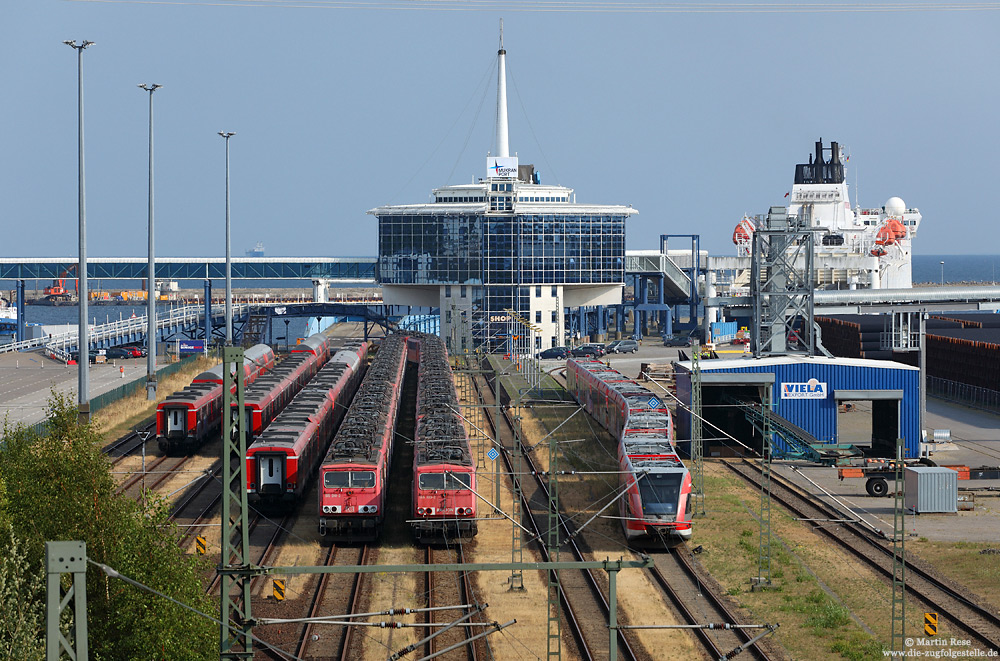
{"x":501,"y":137}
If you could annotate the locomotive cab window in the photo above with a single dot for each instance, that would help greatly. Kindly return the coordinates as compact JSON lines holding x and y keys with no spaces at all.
{"x":659,"y":493}
{"x":451,"y":481}
{"x":348,"y":479}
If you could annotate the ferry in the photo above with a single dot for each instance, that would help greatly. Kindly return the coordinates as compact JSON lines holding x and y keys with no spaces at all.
{"x":855,"y":247}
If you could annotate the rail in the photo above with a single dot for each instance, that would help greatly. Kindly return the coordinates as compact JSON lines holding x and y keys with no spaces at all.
{"x":58,"y":343}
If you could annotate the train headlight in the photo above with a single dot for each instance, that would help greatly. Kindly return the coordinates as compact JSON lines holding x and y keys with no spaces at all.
{"x":331,"y":509}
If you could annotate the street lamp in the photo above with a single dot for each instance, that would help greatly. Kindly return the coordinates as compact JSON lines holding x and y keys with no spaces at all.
{"x":942,"y":273}
{"x":83,"y":345}
{"x":229,"y":265}
{"x":151,"y":268}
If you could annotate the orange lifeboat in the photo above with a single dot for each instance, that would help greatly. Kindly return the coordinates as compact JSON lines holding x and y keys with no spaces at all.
{"x":897,"y":228}
{"x":743,"y":235}
{"x":743,"y":231}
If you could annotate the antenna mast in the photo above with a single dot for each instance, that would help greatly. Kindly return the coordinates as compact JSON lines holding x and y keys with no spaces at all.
{"x":501,"y":135}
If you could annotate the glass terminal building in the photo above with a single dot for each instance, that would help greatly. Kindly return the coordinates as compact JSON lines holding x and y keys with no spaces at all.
{"x":506,"y":248}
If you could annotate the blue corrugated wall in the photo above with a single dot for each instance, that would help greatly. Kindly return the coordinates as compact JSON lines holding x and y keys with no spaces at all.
{"x":819,"y":416}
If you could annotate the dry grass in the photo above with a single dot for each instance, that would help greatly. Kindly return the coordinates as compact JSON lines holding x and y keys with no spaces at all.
{"x":963,"y":563}
{"x":527,"y":638}
{"x":828,"y":604}
{"x":115,"y":420}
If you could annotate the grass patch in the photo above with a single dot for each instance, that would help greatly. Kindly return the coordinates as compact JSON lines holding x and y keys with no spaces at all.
{"x":813,"y":590}
{"x":964,"y":563}
{"x":117,"y":419}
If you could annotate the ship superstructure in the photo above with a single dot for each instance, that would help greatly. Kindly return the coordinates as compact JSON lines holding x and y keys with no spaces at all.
{"x":855,"y":247}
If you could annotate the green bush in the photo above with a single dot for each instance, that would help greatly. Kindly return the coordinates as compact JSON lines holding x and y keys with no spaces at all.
{"x":59,"y":487}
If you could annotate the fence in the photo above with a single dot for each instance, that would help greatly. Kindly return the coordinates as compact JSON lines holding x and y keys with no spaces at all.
{"x":963,"y":393}
{"x":122,"y":391}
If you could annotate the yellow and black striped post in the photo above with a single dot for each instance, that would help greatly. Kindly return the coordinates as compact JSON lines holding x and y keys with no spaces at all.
{"x":278,"y":589}
{"x":931,"y":624}
{"x":200,"y":544}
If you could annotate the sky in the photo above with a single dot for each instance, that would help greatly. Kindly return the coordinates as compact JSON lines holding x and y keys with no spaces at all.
{"x":693,"y":118}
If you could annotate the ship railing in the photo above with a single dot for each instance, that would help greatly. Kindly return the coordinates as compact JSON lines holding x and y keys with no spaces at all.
{"x":131,"y":326}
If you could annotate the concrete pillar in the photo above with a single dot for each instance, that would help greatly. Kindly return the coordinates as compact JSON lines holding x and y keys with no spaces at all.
{"x":668,"y":323}
{"x":711,"y":314}
{"x":661,"y":321}
{"x":644,"y":300}
{"x":208,"y":314}
{"x":319,"y":290}
{"x":619,"y":321}
{"x":21,"y":304}
{"x":602,"y":326}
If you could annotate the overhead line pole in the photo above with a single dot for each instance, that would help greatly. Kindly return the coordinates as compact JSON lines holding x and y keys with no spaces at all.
{"x":151,"y":268}
{"x":83,"y":345}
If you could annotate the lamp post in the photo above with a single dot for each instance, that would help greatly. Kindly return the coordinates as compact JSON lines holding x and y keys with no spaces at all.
{"x":83,"y":345}
{"x":229,"y":265}
{"x":942,"y":273}
{"x":151,"y":268}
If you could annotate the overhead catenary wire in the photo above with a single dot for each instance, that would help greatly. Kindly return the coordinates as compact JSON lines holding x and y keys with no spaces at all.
{"x":582,"y":6}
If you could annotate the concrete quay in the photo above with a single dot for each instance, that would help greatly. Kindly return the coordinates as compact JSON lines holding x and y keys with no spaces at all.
{"x":28,"y":378}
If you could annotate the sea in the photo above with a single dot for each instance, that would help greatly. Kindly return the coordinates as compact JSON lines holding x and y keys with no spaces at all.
{"x":927,"y":270}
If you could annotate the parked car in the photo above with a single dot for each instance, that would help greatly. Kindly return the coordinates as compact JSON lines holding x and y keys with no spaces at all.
{"x":622,"y":346}
{"x":585,"y":351}
{"x":137,"y":352}
{"x":554,"y":352}
{"x":598,"y":347}
{"x":682,"y":340}
{"x":119,"y":352}
{"x":75,"y":356}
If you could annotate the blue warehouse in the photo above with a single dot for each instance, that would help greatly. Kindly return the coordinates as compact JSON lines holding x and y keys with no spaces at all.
{"x":811,"y":394}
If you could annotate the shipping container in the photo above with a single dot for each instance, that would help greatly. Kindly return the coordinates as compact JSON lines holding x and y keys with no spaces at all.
{"x":930,"y":489}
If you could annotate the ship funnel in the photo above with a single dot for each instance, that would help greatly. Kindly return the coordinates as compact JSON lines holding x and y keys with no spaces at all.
{"x":819,"y":152}
{"x":835,"y":153}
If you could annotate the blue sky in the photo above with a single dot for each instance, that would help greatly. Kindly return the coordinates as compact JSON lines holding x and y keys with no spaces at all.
{"x":692,"y":118}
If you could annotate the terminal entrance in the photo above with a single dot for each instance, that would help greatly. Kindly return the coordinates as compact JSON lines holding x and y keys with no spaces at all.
{"x":869,"y":420}
{"x":726,"y":419}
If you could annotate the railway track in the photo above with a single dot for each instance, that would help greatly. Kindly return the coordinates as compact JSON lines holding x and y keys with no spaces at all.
{"x":587,"y":624}
{"x":698,"y":604}
{"x":335,"y":594}
{"x":961,"y":613}
{"x":446,"y":590}
{"x":123,"y":447}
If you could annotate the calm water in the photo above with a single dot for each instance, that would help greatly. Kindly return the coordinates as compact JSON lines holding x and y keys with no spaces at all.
{"x":957,"y":268}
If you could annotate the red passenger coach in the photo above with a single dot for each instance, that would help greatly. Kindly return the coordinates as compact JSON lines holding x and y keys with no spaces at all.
{"x":657,"y":484}
{"x":185,"y":419}
{"x":444,"y":471}
{"x":353,"y":475}
{"x":282,"y":460}
{"x":272,"y":392}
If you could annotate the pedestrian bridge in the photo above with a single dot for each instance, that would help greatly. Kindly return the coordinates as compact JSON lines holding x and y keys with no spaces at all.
{"x":122,"y":331}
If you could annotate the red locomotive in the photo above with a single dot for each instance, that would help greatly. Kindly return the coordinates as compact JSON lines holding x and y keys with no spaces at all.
{"x":282,"y":459}
{"x":444,"y":470}
{"x":185,"y":419}
{"x":657,"y":503}
{"x":353,"y":475}
{"x":272,"y":392}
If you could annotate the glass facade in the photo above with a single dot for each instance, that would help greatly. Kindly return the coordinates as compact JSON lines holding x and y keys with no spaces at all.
{"x":500,"y":260}
{"x":523,"y":249}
